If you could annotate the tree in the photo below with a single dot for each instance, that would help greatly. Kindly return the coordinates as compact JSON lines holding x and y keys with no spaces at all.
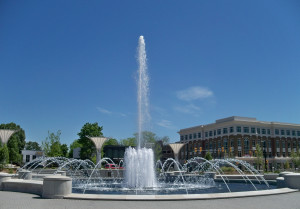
{"x":88,"y":148}
{"x":259,"y":156}
{"x":64,"y":149}
{"x":75,"y":144}
{"x":51,"y":145}
{"x":4,"y":155}
{"x":208,"y":156}
{"x":13,"y":149}
{"x":16,"y":143}
{"x":30,"y":145}
{"x":130,"y":142}
{"x":295,"y":157}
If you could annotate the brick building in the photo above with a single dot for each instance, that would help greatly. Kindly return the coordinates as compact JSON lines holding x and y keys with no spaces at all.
{"x":237,"y":137}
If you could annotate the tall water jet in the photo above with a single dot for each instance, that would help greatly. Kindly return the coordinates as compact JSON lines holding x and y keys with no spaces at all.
{"x":139,"y":163}
{"x":142,"y":91}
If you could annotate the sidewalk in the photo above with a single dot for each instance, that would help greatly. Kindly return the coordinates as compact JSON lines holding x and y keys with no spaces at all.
{"x":14,"y":200}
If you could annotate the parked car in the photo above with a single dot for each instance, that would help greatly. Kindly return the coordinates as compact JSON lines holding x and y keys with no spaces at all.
{"x":112,"y":166}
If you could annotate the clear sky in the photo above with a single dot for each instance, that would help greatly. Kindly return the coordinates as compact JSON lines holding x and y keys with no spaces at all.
{"x":65,"y":63}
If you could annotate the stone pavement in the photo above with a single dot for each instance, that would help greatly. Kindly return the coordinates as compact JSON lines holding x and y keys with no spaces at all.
{"x":14,"y":200}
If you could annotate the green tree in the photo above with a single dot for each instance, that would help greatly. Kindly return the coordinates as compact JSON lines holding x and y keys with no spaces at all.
{"x":4,"y":155}
{"x":130,"y":142}
{"x":295,"y":157}
{"x":30,"y":145}
{"x":208,"y":156}
{"x":13,"y":149}
{"x":75,"y":144}
{"x":88,"y":148}
{"x":18,"y":141}
{"x":259,"y":156}
{"x":51,"y":145}
{"x":64,"y":149}
{"x":287,"y":165}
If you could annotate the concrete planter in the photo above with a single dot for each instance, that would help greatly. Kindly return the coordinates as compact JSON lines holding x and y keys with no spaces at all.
{"x":4,"y":177}
{"x":292,"y":180}
{"x":56,"y":187}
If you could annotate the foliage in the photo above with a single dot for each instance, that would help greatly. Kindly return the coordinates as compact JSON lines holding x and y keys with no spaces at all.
{"x":16,"y":143}
{"x":4,"y":155}
{"x":295,"y":157}
{"x":259,"y":156}
{"x":51,"y":145}
{"x":228,"y":170}
{"x":14,"y":155}
{"x":208,"y":156}
{"x":130,"y":142}
{"x":64,"y":149}
{"x":287,"y":165}
{"x":87,"y":146}
{"x":30,"y":145}
{"x":75,"y":144}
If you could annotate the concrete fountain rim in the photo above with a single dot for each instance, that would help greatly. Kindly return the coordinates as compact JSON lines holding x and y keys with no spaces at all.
{"x":77,"y":196}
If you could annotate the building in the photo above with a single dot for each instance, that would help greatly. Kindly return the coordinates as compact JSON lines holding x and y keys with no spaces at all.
{"x":29,"y":155}
{"x":238,"y":136}
{"x":114,"y":152}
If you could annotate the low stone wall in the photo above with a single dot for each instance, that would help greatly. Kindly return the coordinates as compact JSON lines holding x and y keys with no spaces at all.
{"x":20,"y":185}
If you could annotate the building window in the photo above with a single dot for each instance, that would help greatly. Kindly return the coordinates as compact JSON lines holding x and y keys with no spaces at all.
{"x":195,"y":135}
{"x":278,"y":154}
{"x":277,"y":144}
{"x":231,"y":129}
{"x":293,"y":133}
{"x":288,"y":132}
{"x":190,"y":136}
{"x":239,"y":142}
{"x":263,"y":131}
{"x":283,"y":144}
{"x":277,"y":131}
{"x":238,"y":129}
{"x":253,"y":143}
{"x":27,"y":158}
{"x":215,"y":132}
{"x":246,"y":129}
{"x":258,"y":130}
{"x":210,"y":133}
{"x":199,"y":135}
{"x":246,"y":146}
{"x":210,"y":145}
{"x":269,"y":143}
{"x":219,"y":131}
{"x":206,"y":134}
{"x":181,"y":138}
{"x":269,"y":132}
{"x":289,"y":143}
{"x":294,"y":144}
{"x":33,"y":157}
{"x":225,"y":131}
{"x":225,"y":144}
{"x":282,"y":132}
{"x":231,"y":143}
{"x":298,"y":133}
{"x":252,"y":130}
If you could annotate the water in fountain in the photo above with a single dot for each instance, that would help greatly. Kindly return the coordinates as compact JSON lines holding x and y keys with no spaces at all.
{"x":139,"y":163}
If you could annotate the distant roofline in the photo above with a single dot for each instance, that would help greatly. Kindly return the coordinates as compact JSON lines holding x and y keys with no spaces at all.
{"x":239,"y":118}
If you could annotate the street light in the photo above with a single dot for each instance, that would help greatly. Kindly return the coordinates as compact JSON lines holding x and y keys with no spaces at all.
{"x":265,"y":155}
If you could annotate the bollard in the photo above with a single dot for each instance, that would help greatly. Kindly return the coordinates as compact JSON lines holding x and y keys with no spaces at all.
{"x":56,"y":187}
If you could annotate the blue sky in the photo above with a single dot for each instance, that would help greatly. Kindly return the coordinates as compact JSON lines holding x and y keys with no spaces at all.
{"x":65,"y":63}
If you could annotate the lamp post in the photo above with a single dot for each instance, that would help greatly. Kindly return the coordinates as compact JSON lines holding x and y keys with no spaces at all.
{"x":265,"y":155}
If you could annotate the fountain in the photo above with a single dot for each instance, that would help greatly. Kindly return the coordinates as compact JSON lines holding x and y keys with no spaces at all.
{"x":141,"y":177}
{"x":139,"y":162}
